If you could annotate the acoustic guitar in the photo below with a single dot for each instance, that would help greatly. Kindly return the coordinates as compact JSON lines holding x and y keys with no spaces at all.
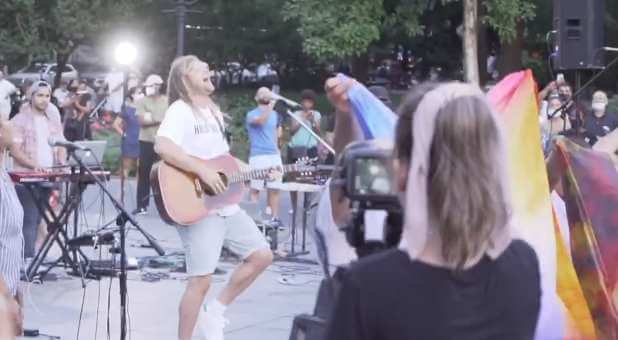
{"x":183,"y":199}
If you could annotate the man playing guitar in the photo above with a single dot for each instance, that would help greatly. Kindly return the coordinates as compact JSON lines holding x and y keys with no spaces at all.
{"x":193,"y":130}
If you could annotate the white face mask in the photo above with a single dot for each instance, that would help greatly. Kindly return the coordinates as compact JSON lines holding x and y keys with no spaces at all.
{"x":150,"y":91}
{"x":138,"y":96}
{"x":598,"y":107}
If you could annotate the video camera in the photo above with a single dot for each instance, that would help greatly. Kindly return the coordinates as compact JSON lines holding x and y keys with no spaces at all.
{"x":366,"y":176}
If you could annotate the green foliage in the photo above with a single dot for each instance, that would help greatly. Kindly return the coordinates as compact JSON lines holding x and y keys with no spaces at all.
{"x":112,"y":157}
{"x":503,"y":15}
{"x":19,"y":30}
{"x":335,"y":29}
{"x":405,"y":18}
{"x":32,"y":29}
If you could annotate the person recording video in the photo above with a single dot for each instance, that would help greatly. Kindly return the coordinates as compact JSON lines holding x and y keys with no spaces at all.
{"x":458,"y":273}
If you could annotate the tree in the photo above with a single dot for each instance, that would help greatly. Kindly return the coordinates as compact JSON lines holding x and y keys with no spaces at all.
{"x":37,"y":29}
{"x":341,"y":29}
{"x":470,"y":44}
{"x":347,"y":28}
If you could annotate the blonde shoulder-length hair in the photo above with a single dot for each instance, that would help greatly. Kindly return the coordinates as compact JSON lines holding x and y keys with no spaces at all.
{"x":467,"y":198}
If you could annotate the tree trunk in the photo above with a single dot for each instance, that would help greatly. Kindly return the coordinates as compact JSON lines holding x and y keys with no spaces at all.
{"x":61,"y":60}
{"x":483,"y":45}
{"x":470,"y":43}
{"x":510,"y":58}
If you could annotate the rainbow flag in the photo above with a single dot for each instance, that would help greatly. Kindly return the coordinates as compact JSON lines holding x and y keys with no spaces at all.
{"x":591,"y":197}
{"x":516,"y":101}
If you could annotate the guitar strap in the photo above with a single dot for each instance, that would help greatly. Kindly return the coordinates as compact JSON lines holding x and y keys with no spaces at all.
{"x":219,"y":123}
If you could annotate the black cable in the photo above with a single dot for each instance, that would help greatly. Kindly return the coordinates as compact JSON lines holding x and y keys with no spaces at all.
{"x":81,"y":313}
{"x":109,"y":297}
{"x":96,"y":324}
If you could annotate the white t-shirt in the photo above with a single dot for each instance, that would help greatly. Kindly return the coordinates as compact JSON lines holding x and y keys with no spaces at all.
{"x":61,"y":95}
{"x":6,"y":90}
{"x":45,"y":154}
{"x":114,"y":81}
{"x":338,"y":250}
{"x":198,"y":136}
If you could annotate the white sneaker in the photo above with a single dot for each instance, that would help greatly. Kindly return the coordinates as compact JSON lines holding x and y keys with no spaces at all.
{"x":212,"y":324}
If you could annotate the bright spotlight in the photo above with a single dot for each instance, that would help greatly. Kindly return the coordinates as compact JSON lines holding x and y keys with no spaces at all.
{"x":125,"y":53}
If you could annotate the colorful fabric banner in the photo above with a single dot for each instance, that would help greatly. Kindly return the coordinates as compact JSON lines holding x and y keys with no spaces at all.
{"x":590,"y":181}
{"x":515,"y":100}
{"x":375,"y":119}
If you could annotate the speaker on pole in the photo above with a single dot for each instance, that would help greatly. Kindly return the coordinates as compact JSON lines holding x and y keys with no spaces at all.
{"x":580,"y":28}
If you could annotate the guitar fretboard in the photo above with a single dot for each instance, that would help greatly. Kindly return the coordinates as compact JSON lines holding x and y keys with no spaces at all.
{"x":259,"y":174}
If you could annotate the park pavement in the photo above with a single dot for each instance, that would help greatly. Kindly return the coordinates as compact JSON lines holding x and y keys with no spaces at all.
{"x":265,"y":311}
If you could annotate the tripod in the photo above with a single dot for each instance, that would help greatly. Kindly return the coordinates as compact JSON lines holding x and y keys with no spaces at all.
{"x":121,"y":220}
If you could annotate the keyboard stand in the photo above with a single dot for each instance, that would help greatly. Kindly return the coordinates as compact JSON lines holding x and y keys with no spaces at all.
{"x":58,"y":234}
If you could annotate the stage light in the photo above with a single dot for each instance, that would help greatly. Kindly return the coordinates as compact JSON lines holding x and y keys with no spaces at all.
{"x":125,"y":53}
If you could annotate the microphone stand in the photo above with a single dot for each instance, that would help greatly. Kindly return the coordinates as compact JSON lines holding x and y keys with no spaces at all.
{"x":310,"y":130}
{"x":121,"y":220}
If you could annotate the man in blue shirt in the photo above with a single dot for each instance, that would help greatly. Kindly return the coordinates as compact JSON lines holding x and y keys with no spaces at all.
{"x":264,"y":133}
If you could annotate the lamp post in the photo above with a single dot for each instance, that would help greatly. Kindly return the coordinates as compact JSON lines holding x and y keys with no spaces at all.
{"x":181,"y":10}
{"x":125,"y":55}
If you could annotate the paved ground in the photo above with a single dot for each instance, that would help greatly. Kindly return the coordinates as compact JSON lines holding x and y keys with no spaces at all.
{"x":265,"y":311}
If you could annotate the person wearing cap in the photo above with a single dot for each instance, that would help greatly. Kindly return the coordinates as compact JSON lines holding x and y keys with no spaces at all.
{"x":150,"y":113}
{"x":599,"y":122}
{"x":302,"y":143}
{"x":35,"y":126}
{"x":382,"y":93}
{"x":262,"y":126}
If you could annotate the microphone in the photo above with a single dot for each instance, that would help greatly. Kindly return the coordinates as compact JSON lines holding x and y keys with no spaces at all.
{"x":70,"y":146}
{"x":287,"y":101}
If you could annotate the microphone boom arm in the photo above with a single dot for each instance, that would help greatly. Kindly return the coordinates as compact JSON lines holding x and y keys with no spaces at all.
{"x":310,"y":130}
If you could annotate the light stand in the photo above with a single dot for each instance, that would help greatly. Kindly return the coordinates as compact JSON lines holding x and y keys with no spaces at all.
{"x":121,"y":220}
{"x":125,"y":55}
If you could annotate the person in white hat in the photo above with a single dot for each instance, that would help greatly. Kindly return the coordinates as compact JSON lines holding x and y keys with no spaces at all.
{"x":599,"y":122}
{"x":150,"y":113}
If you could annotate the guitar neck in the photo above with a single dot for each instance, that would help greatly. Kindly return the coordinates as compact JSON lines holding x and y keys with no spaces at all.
{"x":259,"y":174}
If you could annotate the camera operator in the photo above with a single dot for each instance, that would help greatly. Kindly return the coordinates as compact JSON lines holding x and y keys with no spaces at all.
{"x":458,"y":273}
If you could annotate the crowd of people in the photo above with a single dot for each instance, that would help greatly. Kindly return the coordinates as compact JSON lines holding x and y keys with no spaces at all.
{"x":561,"y":114}
{"x":460,"y":273}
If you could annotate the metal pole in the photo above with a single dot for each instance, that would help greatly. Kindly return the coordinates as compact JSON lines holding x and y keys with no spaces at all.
{"x":181,"y":9}
{"x":181,"y":14}
{"x":311,"y":132}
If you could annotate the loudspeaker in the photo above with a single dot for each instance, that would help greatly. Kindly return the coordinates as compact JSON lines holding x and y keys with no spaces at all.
{"x":580,"y":27}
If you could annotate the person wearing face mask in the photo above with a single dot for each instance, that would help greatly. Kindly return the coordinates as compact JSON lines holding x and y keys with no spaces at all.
{"x":572,"y":110}
{"x":150,"y":112}
{"x":193,"y":130}
{"x":599,"y":122}
{"x":127,"y":125}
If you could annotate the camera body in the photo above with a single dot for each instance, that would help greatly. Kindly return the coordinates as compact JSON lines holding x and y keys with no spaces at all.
{"x":366,"y":176}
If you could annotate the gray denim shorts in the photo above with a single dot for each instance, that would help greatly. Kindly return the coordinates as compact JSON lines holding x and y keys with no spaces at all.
{"x":204,"y":240}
